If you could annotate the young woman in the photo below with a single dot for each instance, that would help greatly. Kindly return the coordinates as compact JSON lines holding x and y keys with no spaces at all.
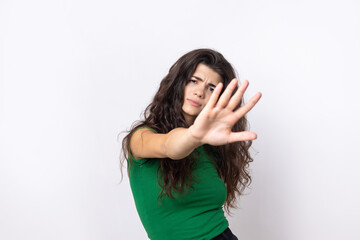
{"x":189,"y":156}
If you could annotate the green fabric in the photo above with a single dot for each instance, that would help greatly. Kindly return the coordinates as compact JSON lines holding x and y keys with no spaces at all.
{"x":195,"y":215}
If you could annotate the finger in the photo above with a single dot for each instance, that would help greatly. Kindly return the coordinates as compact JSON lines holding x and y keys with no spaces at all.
{"x":224,"y":99}
{"x":242,"y":136}
{"x":214,"y":96}
{"x":235,"y":100}
{"x":248,"y":106}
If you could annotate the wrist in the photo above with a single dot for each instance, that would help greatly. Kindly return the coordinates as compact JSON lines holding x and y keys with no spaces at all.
{"x":193,"y":138}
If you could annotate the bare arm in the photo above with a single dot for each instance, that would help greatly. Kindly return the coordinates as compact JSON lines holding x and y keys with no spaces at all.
{"x":176,"y":144}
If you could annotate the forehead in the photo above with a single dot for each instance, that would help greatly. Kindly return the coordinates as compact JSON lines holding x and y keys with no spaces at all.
{"x":207,"y":74}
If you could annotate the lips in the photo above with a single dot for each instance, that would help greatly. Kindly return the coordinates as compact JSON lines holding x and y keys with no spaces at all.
{"x":194,"y":103}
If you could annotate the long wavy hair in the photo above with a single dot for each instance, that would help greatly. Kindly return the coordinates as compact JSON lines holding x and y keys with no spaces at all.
{"x":164,"y":113}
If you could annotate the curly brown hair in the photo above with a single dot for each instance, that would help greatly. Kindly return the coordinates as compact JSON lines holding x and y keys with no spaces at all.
{"x":165,"y":113}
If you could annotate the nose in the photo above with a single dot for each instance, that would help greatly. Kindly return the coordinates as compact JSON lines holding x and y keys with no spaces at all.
{"x":199,"y":91}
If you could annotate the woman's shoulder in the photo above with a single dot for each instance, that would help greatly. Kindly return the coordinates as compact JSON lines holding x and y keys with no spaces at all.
{"x":146,"y":142}
{"x":139,"y":131}
{"x":136,"y":133}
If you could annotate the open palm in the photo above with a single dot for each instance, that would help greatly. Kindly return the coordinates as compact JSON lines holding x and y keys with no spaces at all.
{"x":214,"y":123}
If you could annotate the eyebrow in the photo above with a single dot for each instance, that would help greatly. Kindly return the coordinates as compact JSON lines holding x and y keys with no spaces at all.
{"x":197,"y":78}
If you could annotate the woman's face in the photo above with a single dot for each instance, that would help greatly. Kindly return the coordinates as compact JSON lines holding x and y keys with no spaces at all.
{"x":198,"y":91}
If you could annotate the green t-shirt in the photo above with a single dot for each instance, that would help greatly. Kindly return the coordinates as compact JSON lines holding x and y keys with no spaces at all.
{"x":195,"y":215}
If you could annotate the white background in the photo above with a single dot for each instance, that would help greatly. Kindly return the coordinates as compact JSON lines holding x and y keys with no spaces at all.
{"x":74,"y":74}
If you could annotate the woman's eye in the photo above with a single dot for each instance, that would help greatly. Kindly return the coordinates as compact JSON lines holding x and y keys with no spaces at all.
{"x":211,"y":89}
{"x":192,"y":80}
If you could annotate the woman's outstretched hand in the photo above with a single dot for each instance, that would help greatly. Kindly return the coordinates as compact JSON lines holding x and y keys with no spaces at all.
{"x":214,"y":123}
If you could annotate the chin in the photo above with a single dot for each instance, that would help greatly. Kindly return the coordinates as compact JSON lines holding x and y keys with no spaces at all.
{"x":191,"y":113}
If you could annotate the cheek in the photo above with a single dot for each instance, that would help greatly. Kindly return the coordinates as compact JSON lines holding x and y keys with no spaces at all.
{"x":186,"y":90}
